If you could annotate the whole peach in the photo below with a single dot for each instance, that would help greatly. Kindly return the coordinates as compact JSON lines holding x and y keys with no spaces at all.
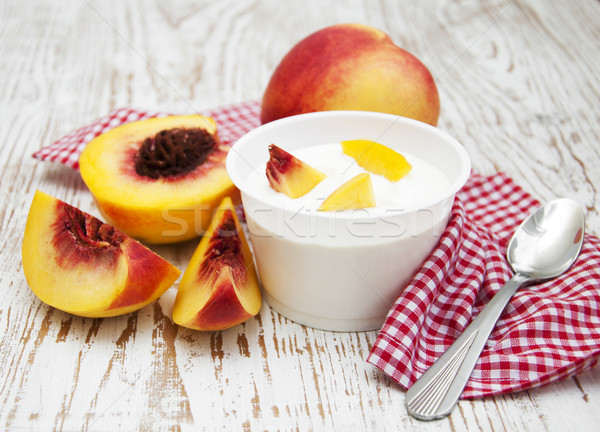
{"x":350,"y":67}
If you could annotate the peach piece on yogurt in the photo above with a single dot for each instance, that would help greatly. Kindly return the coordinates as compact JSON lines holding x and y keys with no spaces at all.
{"x":290,"y":175}
{"x":80,"y":265}
{"x":356,"y":193}
{"x":377,"y":158}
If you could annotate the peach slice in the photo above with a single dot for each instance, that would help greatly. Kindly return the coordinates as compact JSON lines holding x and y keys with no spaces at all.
{"x":78,"y":264}
{"x":377,"y":158}
{"x":158,"y":180}
{"x":356,"y":193}
{"x":219,"y":289}
{"x":290,"y":175}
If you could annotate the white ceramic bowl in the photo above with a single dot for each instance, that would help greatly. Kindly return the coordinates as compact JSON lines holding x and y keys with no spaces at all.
{"x":343,"y":271}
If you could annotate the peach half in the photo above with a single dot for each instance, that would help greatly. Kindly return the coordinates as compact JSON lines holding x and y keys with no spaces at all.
{"x":290,"y":175}
{"x":158,"y":180}
{"x":219,"y":289}
{"x":356,"y":193}
{"x":78,"y":264}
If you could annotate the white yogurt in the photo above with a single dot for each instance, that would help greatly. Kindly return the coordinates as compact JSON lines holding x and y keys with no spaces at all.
{"x":422,"y":184}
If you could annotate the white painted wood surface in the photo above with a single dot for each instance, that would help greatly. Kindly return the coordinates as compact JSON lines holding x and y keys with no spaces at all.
{"x":519,"y":88}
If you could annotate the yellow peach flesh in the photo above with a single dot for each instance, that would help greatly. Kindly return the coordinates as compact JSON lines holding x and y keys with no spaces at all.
{"x":377,"y":158}
{"x":356,"y":193}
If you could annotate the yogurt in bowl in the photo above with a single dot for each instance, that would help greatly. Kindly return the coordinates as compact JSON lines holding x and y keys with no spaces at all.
{"x":344,"y":270}
{"x":423,"y":182}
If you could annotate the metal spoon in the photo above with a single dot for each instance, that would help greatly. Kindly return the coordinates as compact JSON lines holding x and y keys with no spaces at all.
{"x":543,"y":247}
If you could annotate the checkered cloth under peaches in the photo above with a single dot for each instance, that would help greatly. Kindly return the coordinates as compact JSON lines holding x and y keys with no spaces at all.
{"x":548,"y":331}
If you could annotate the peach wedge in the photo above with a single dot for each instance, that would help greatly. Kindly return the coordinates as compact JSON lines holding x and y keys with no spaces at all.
{"x":78,"y":264}
{"x":158,"y":180}
{"x":356,"y":193}
{"x":219,"y":289}
{"x":377,"y":158}
{"x":290,"y":175}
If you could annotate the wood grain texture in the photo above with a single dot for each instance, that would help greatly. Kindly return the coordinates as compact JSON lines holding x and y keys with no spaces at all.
{"x":519,"y":87}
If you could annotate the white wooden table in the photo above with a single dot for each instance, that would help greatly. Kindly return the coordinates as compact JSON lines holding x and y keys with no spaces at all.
{"x":519,"y":88}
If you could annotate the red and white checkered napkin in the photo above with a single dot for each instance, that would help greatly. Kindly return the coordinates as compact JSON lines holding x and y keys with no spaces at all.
{"x":232,"y":121}
{"x":548,"y":331}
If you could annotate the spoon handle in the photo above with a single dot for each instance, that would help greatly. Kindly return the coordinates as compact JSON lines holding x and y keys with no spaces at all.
{"x":437,"y":391}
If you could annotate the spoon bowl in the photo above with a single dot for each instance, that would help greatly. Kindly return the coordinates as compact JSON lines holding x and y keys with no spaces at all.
{"x":548,"y":241}
{"x":544,"y":246}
